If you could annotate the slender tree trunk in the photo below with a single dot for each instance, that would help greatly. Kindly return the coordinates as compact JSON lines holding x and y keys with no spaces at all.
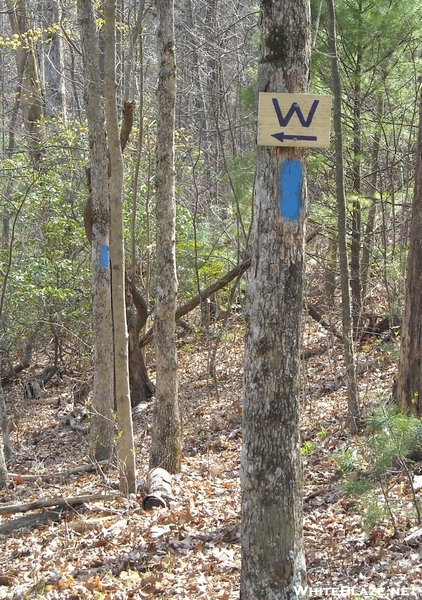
{"x":349,"y":354}
{"x":331,"y":273}
{"x":409,"y":380}
{"x":52,"y":62}
{"x":370,"y":223}
{"x":355,"y":242}
{"x":273,"y":561}
{"x":166,"y":439}
{"x":102,"y":421}
{"x":3,"y":470}
{"x":30,"y":89}
{"x":126,"y":451}
{"x":8,"y":450}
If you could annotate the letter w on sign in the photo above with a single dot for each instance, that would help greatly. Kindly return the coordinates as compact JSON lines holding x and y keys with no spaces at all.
{"x":295,"y":108}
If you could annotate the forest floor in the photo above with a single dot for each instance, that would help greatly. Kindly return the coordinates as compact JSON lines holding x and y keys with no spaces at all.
{"x":113,"y":550}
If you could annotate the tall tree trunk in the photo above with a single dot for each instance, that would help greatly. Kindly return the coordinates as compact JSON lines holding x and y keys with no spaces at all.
{"x":409,"y":380}
{"x":27,"y":67}
{"x":102,"y":421}
{"x":273,"y":562}
{"x":349,"y":354}
{"x":126,"y":450}
{"x":52,"y":62}
{"x":166,"y":438}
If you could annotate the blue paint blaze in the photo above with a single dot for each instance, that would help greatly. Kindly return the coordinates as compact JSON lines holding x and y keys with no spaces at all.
{"x":290,"y":189}
{"x":104,"y":257}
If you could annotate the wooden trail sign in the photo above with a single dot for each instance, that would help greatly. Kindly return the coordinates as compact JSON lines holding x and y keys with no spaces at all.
{"x":300,"y":120}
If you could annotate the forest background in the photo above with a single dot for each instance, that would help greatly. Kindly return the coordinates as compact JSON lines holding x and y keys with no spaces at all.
{"x":46,"y":291}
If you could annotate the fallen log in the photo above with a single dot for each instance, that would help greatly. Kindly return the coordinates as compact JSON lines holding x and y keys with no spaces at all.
{"x":10,"y":509}
{"x":159,"y":489}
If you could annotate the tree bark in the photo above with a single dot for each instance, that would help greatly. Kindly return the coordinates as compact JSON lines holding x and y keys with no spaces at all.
{"x":355,"y":242}
{"x":141,"y":387}
{"x":370,"y":223}
{"x":349,"y":354}
{"x":409,"y":380}
{"x":126,"y":450}
{"x":52,"y":63}
{"x":102,"y":420}
{"x":166,"y":438}
{"x":273,"y":561}
{"x":8,"y":450}
{"x":4,"y":480}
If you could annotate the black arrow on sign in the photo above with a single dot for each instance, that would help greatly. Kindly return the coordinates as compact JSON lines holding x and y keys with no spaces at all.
{"x":281,"y":137}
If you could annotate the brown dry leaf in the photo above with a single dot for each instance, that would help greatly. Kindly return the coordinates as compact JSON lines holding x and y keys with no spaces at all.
{"x":93,"y":583}
{"x":164,"y":553}
{"x":185,"y":516}
{"x":66,"y":584}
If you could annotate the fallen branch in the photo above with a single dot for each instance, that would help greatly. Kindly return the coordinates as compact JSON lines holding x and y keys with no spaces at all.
{"x":10,"y":509}
{"x":18,"y":368}
{"x":43,"y":518}
{"x":311,"y":352}
{"x":196,"y":300}
{"x":316,"y":316}
{"x":60,"y":474}
{"x":210,"y":290}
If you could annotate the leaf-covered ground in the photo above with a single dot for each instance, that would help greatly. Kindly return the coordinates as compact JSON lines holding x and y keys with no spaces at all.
{"x":114,"y":550}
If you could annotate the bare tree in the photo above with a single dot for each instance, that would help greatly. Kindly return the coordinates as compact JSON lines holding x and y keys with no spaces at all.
{"x":52,"y":61}
{"x":349,"y":354}
{"x":273,"y":561}
{"x":166,"y":440}
{"x":30,"y":95}
{"x":409,"y":380}
{"x":126,"y":453}
{"x":102,"y":422}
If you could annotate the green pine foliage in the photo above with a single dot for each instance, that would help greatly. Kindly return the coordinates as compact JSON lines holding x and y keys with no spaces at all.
{"x":393,"y":441}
